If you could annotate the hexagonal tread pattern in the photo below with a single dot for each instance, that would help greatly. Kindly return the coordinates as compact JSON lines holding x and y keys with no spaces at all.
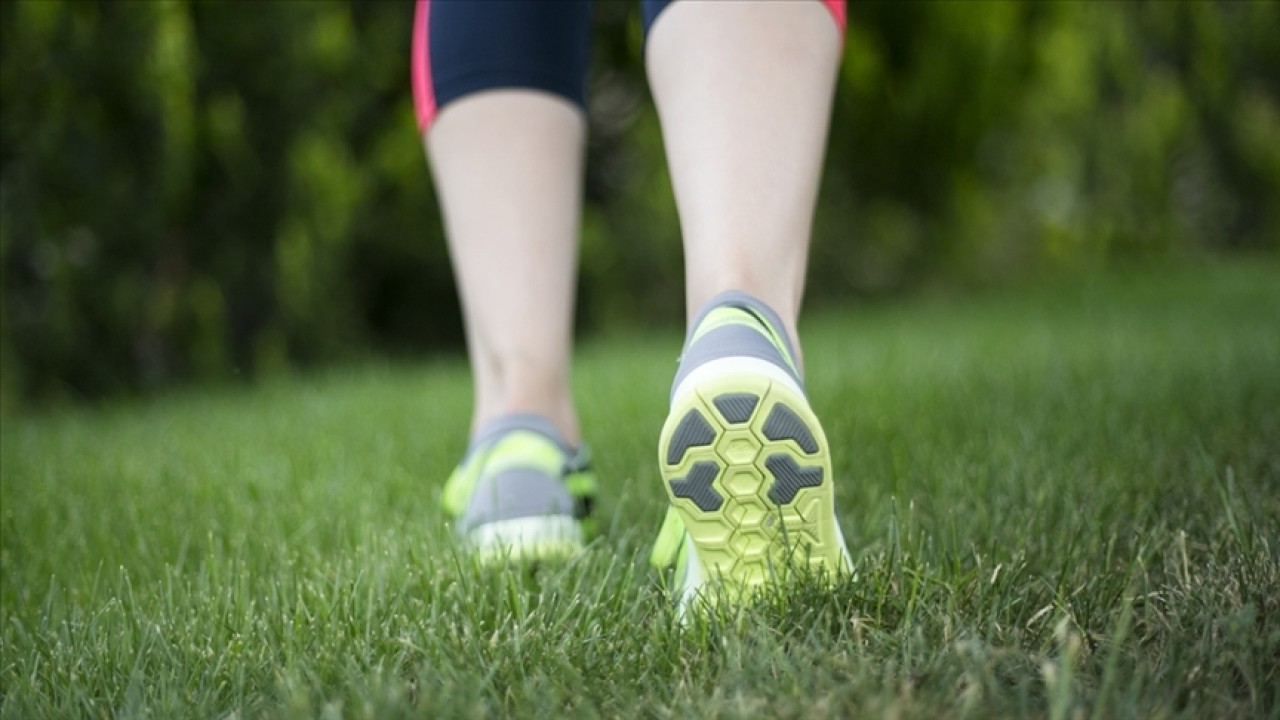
{"x":747,"y":469}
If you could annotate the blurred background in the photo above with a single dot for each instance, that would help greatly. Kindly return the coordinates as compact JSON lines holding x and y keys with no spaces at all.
{"x":208,"y":191}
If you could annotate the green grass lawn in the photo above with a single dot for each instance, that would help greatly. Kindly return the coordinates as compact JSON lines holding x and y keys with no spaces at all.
{"x":1062,"y":503}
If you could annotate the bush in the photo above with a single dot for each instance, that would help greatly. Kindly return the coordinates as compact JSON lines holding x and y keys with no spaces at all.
{"x":187,"y":195}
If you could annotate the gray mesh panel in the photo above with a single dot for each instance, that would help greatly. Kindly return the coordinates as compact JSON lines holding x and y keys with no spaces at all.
{"x":737,"y":340}
{"x":515,"y":494}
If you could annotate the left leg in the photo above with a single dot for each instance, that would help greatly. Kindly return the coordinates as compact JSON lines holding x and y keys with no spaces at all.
{"x":500,"y":92}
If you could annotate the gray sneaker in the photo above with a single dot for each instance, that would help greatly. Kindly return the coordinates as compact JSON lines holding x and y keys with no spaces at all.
{"x":521,"y":492}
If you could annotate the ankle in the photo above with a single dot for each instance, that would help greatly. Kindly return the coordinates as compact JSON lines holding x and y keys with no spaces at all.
{"x":781,"y":306}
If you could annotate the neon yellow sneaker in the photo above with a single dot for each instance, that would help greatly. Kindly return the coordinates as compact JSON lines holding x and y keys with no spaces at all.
{"x":745,"y":461}
{"x":521,"y":493}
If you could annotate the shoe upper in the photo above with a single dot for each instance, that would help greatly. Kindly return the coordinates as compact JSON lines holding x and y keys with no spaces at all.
{"x":519,"y":470}
{"x":735,"y":324}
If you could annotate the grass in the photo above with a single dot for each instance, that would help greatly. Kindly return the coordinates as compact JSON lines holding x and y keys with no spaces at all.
{"x":1062,"y":502}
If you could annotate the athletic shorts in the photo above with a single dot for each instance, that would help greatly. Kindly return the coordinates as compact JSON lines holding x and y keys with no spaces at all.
{"x":462,"y":47}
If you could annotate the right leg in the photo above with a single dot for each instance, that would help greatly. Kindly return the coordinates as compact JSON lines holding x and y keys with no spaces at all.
{"x":743,"y":90}
{"x":499,"y":91}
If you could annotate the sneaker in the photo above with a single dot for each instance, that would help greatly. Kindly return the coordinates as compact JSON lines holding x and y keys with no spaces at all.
{"x":521,"y":493}
{"x":745,"y":462}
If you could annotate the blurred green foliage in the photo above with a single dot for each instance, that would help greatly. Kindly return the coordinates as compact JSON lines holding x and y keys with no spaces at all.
{"x":201,"y":190}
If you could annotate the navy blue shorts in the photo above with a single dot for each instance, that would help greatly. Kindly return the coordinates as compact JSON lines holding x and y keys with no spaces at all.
{"x":465,"y":46}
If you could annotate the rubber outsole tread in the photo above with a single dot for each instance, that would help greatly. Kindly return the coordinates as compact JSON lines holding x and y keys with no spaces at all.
{"x":789,"y":478}
{"x":784,"y":424}
{"x":737,"y":407}
{"x":766,"y":463}
{"x":696,"y":486}
{"x":694,"y":431}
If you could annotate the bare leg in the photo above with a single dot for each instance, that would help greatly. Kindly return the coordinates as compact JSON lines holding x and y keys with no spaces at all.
{"x":743,"y":91}
{"x":508,"y":171}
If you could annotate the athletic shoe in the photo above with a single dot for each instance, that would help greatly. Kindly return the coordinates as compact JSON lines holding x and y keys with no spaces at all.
{"x":745,"y":462}
{"x":521,"y":493}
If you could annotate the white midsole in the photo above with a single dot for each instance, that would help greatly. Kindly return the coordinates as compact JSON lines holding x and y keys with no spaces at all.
{"x":692,"y":577}
{"x":736,"y":366}
{"x":527,"y":531}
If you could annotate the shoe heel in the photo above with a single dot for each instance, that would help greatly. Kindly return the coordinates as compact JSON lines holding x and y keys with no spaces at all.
{"x":746,"y":466}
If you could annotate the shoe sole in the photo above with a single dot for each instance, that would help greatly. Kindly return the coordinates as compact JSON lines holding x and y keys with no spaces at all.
{"x":747,"y":466}
{"x":548,"y":537}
